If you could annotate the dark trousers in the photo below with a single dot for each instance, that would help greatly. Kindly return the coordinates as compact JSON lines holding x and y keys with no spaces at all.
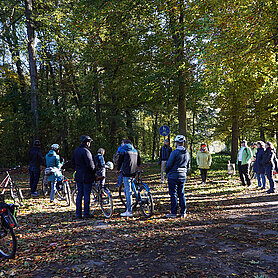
{"x":244,"y":173}
{"x":84,"y":190}
{"x":269,"y":175}
{"x":34,"y":178}
{"x":204,"y":174}
{"x":176,"y":190}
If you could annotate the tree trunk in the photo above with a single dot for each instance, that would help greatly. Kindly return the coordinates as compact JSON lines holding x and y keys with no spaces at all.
{"x":262,"y":134}
{"x":32,"y":64}
{"x":155,"y":128}
{"x":97,"y":99}
{"x":235,"y":136}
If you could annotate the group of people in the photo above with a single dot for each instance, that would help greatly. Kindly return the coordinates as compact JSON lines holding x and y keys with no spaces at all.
{"x":264,"y":164}
{"x":176,"y":164}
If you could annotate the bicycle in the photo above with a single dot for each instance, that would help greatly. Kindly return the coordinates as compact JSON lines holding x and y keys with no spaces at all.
{"x":140,"y":195}
{"x":100,"y":196}
{"x":8,"y":241}
{"x":15,"y":191}
{"x":61,"y":189}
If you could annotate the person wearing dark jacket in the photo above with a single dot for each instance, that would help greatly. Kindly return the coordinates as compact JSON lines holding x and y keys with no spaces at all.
{"x":269,"y":161}
{"x":36,"y":160}
{"x":129,"y":159}
{"x":100,"y":165}
{"x":84,"y":165}
{"x":165,"y":152}
{"x":259,"y":167}
{"x":177,"y":168}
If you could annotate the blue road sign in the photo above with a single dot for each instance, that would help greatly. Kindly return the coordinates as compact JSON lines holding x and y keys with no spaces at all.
{"x":164,"y":130}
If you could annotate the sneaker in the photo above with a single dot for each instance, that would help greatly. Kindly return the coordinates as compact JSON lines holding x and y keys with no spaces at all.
{"x":171,"y":215}
{"x":203,"y":183}
{"x":35,"y":194}
{"x":126,"y":214}
{"x":183,"y":216}
{"x":270,"y":191}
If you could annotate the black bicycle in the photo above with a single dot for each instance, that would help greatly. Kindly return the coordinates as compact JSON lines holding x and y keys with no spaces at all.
{"x":9,"y":184}
{"x":140,"y":195}
{"x":61,"y":188}
{"x":100,"y":196}
{"x":8,"y":241}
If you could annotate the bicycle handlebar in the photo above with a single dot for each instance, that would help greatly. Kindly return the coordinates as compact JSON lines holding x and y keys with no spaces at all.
{"x":10,"y":169}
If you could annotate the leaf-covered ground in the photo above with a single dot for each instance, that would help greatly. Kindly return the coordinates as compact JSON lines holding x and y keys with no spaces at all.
{"x":230,"y":231}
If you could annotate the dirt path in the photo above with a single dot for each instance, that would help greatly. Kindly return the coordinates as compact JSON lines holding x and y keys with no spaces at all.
{"x":230,"y":231}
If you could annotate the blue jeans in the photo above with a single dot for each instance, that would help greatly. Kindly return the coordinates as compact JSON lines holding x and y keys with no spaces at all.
{"x":34,"y":178}
{"x":120,"y":179}
{"x":261,"y":179}
{"x":84,"y":190}
{"x":128,"y":192}
{"x":176,"y":189}
{"x":269,"y":174}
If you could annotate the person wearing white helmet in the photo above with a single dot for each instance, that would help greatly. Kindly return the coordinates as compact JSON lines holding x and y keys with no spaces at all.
{"x":177,"y":168}
{"x":54,"y":163}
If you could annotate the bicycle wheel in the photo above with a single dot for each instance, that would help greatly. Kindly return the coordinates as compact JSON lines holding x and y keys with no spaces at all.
{"x":74,"y":195}
{"x":8,"y":242}
{"x":16,"y":194}
{"x":67,"y":192}
{"x":145,"y":200}
{"x":106,"y":202}
{"x":93,"y":199}
{"x":63,"y":191}
{"x":123,"y":198}
{"x":46,"y":186}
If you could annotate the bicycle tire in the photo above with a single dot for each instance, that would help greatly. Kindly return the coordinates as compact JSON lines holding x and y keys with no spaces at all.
{"x":16,"y":194}
{"x":145,"y":201}
{"x":94,"y":200}
{"x":123,"y":199}
{"x":74,"y":195}
{"x":67,"y":192}
{"x":106,"y":202}
{"x":8,"y":243}
{"x":46,"y":186}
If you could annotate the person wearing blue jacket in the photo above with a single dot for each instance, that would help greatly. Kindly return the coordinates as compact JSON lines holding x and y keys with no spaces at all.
{"x":53,"y":161}
{"x":259,"y":167}
{"x":84,"y":165}
{"x":177,"y":168}
{"x":100,"y":165}
{"x":129,"y":159}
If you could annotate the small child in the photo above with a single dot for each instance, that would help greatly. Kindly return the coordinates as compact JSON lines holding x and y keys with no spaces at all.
{"x":100,"y":165}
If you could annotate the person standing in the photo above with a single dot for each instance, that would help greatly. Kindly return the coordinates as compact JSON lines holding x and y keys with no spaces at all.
{"x":36,"y":160}
{"x":259,"y":167}
{"x":129,"y":159}
{"x":84,"y":165}
{"x":177,"y":168}
{"x":165,"y":152}
{"x":53,"y":161}
{"x":244,"y":158}
{"x":269,"y":161}
{"x":115,"y":160}
{"x":203,"y":159}
{"x":100,"y":165}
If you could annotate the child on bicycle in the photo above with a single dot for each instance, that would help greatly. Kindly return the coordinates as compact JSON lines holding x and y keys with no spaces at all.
{"x":54,"y":163}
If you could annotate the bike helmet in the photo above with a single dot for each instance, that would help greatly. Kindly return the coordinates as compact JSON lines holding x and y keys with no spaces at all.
{"x":37,"y":143}
{"x":55,"y":147}
{"x":110,"y":165}
{"x":179,"y":138}
{"x":85,"y":138}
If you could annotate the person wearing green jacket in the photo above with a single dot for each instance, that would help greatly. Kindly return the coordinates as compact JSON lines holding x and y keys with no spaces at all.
{"x":244,"y":158}
{"x":204,"y":160}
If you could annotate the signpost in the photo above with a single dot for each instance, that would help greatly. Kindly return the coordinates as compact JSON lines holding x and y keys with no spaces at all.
{"x":164,"y":130}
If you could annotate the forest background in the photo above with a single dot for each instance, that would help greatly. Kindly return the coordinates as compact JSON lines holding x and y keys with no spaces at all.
{"x":117,"y":69}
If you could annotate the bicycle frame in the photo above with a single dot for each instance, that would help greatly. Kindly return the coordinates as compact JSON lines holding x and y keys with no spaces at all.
{"x":5,"y":182}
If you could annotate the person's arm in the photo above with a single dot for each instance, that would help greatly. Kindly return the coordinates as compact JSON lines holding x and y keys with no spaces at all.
{"x":209,"y":159}
{"x":120,"y":161}
{"x":160,"y":153}
{"x":197,"y":159}
{"x":138,"y":160}
{"x":249,"y":154}
{"x":170,"y":162}
{"x":101,"y":161}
